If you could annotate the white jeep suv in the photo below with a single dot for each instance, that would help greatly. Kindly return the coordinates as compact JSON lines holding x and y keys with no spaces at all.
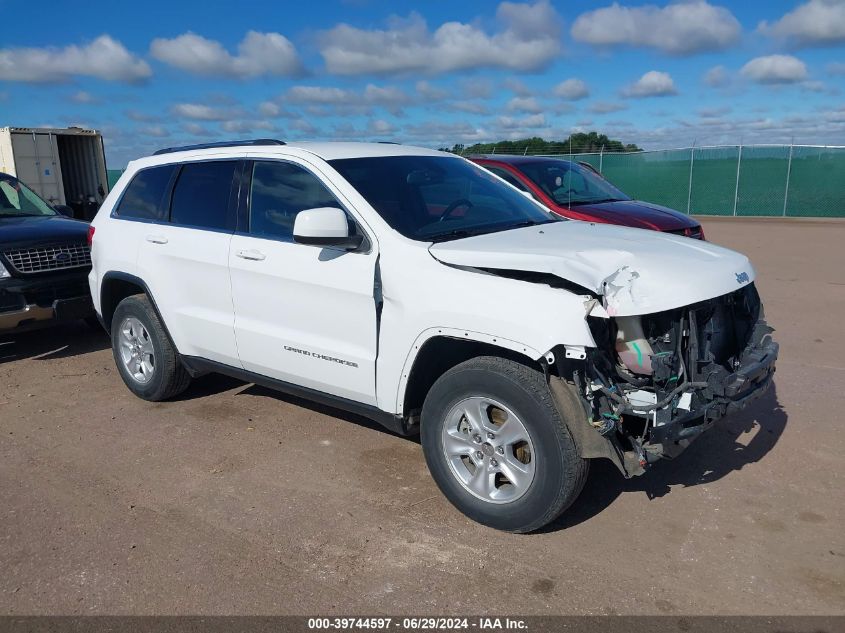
{"x":416,"y":288}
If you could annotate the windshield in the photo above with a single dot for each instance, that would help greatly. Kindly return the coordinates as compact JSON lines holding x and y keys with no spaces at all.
{"x":438,"y":198}
{"x":568,"y":183}
{"x":16,"y":199}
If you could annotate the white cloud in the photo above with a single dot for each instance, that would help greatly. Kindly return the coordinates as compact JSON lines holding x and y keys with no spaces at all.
{"x":143,"y":117}
{"x":529,"y":40}
{"x":380,"y":127}
{"x":814,"y":23}
{"x":317,"y":94}
{"x":815,"y":86}
{"x":156,"y":131}
{"x":572,"y":89}
{"x":681,"y":28}
{"x":82,"y":96}
{"x":259,"y":54}
{"x":438,"y":133}
{"x":103,"y":58}
{"x":529,"y":122}
{"x":652,"y":84}
{"x":775,"y":69}
{"x":475,"y":88}
{"x":430,"y":92}
{"x":560,"y":109}
{"x":388,"y":97}
{"x":304,"y":126}
{"x":470,"y":107}
{"x":524,"y":104}
{"x":269,"y":109}
{"x":517,"y":87}
{"x":716,"y":77}
{"x":813,"y":128}
{"x":605,"y":107}
{"x":202,"y":112}
{"x":197,"y":130}
{"x":245,"y":126}
{"x":713,"y":113}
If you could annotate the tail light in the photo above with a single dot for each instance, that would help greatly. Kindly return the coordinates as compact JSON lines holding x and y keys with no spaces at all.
{"x":91,"y":230}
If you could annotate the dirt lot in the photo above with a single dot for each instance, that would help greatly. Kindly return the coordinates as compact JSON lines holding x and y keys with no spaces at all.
{"x":235,"y":500}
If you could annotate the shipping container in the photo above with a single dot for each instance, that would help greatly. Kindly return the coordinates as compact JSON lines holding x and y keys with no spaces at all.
{"x":65,"y":166}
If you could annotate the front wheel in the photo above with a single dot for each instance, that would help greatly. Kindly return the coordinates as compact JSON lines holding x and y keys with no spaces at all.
{"x":497,"y":447}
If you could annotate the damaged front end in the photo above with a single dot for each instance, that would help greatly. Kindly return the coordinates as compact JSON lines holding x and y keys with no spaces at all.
{"x":654,"y":383}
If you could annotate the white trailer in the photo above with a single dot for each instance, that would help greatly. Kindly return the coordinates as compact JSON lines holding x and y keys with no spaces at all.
{"x":63,"y":165}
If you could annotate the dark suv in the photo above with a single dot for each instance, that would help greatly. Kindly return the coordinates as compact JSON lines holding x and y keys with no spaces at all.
{"x":44,"y":261}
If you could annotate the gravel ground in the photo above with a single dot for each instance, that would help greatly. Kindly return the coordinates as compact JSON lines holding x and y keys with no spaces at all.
{"x":236,"y":500}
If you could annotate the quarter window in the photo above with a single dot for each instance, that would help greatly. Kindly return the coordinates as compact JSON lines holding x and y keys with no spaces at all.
{"x":144,"y":197}
{"x":279,"y":191}
{"x":201,"y":195}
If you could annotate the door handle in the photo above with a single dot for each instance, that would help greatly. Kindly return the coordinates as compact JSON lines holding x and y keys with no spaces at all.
{"x":157,"y":239}
{"x":252,"y":255}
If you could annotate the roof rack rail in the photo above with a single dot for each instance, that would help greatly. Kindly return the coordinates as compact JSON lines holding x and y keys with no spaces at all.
{"x":185,"y":148}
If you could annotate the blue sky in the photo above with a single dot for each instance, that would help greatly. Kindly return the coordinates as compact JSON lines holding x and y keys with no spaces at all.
{"x":661,"y":75}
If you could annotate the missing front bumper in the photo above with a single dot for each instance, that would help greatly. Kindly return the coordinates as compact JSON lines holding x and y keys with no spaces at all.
{"x":721,"y":350}
{"x":726,"y":395}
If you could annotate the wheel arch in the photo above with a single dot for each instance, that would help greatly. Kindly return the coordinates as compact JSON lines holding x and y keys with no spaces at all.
{"x":439,"y":349}
{"x":115,"y":287}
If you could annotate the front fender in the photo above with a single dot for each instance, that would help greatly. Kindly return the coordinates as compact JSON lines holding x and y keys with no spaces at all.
{"x":459,"y":335}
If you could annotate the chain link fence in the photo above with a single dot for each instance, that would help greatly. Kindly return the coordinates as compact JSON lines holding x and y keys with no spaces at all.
{"x":740,"y":180}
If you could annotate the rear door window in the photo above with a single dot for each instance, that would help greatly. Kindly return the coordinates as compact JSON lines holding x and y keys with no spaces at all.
{"x":201,"y":196}
{"x":144,"y":197}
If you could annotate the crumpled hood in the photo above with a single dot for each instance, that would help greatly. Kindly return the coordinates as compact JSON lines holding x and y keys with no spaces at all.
{"x":636,"y":271}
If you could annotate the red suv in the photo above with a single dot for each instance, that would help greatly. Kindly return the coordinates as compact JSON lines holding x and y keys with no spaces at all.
{"x":578,"y":192}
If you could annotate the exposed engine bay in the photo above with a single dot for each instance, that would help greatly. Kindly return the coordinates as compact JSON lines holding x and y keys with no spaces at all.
{"x":655,"y":382}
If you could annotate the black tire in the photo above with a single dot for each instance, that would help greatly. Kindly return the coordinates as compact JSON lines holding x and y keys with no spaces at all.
{"x":559,"y":472}
{"x":169,"y":377}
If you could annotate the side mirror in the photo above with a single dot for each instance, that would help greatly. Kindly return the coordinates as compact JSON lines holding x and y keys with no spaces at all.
{"x":64,"y":210}
{"x":324,"y":226}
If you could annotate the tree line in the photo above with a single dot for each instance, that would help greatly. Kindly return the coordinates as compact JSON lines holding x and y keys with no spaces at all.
{"x":578,"y":143}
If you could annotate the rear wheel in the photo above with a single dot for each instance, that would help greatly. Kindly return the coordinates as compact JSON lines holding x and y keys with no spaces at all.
{"x":497,"y":447}
{"x":145,"y":358}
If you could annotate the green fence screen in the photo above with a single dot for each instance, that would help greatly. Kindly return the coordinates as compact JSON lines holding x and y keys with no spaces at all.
{"x":114,"y":175}
{"x":742,"y":180}
{"x":747,"y":180}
